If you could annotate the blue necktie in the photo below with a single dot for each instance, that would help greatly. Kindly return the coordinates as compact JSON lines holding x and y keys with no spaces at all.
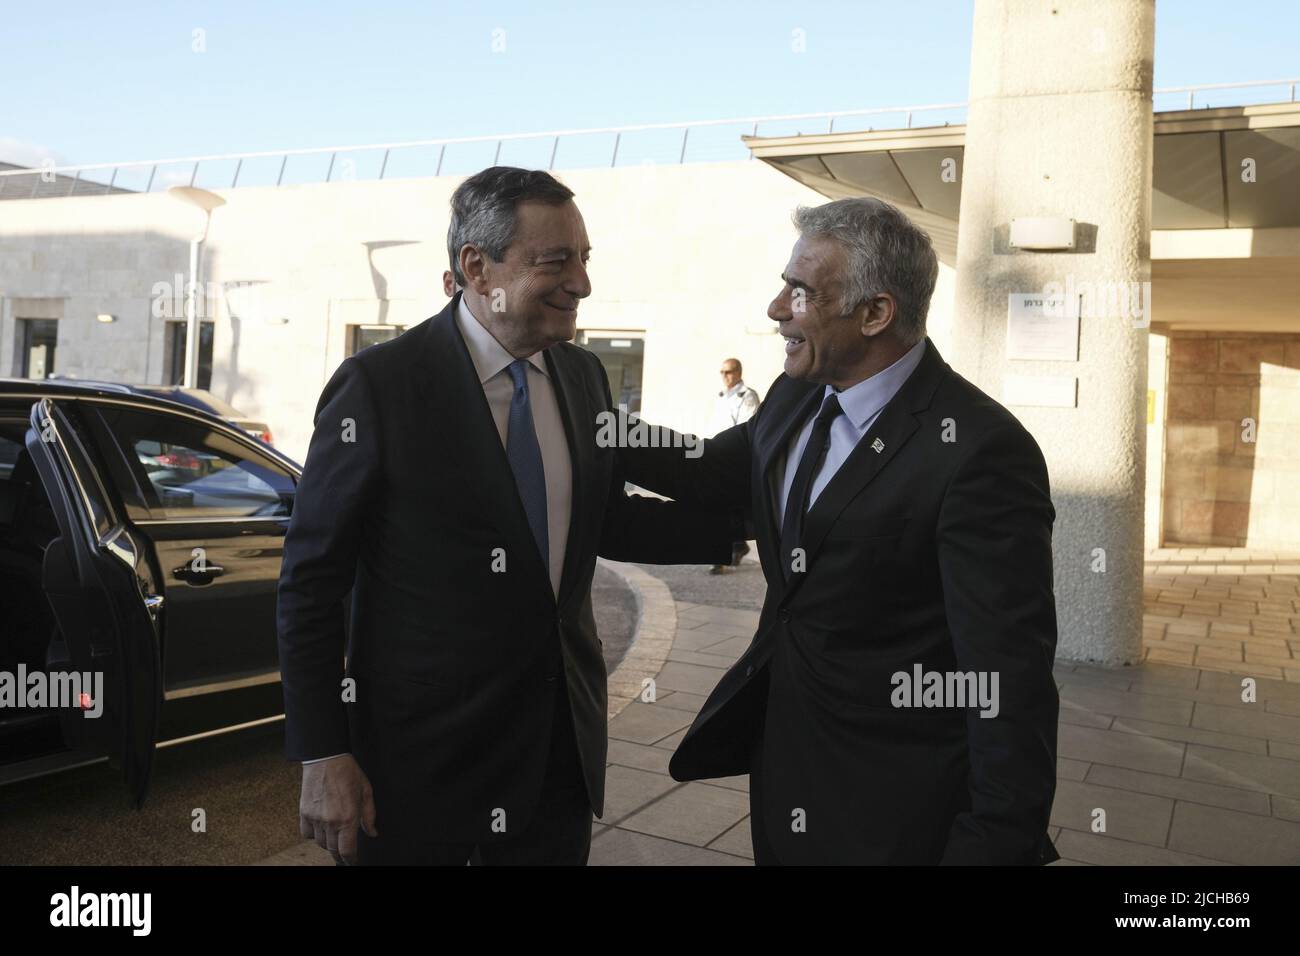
{"x":525,"y":457}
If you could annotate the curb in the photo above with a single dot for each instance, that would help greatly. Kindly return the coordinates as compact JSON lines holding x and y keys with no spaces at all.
{"x":656,"y":628}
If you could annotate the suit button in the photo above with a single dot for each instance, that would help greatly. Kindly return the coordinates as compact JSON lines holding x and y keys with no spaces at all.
{"x":785,"y":616}
{"x":749,"y":671}
{"x":551,"y":679}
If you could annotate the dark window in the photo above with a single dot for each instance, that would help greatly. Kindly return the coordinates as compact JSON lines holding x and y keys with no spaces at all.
{"x":9,"y":452}
{"x":622,"y":356}
{"x":176,"y":335}
{"x":37,"y":338}
{"x":190,"y":470}
{"x":364,"y":336}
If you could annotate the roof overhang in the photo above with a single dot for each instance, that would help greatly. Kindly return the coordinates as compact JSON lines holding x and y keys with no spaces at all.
{"x":1197,"y":180}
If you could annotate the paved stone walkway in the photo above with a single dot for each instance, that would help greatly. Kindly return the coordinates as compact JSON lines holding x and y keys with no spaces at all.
{"x":1186,"y":772}
{"x":1224,"y":609}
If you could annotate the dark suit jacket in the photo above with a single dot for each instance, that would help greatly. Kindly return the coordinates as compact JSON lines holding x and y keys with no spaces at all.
{"x":455,"y":664}
{"x":927,"y":551}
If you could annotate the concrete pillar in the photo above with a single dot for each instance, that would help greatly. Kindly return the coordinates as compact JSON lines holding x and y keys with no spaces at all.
{"x":1060,"y":125}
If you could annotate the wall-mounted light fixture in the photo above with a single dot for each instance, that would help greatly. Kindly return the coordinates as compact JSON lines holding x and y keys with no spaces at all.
{"x":105,"y":317}
{"x":1042,"y":233}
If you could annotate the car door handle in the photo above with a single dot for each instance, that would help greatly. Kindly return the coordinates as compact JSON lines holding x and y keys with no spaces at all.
{"x":192,"y":575}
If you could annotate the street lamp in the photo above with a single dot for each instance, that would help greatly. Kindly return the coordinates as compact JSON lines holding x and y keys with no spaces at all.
{"x":207,"y":201}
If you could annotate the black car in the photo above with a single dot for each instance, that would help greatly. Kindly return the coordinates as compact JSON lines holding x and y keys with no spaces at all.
{"x":140,"y":538}
{"x":199,"y":398}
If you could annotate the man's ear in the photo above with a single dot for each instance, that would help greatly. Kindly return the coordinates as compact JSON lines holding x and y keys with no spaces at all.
{"x":878,"y":314}
{"x":473,"y":266}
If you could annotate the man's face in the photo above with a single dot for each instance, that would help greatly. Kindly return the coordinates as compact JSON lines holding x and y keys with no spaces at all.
{"x":541,"y":278}
{"x":730,"y":375}
{"x":821,"y":345}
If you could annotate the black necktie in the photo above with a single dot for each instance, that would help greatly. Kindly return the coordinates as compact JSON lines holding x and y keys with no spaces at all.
{"x":797,"y":501}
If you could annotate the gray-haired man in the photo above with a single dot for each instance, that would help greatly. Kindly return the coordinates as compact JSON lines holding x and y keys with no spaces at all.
{"x":455,"y":485}
{"x":897,"y":703}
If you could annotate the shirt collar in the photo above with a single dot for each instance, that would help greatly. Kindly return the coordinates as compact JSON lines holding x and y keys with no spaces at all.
{"x":734,"y":390}
{"x":862,"y":401}
{"x":487,"y":354}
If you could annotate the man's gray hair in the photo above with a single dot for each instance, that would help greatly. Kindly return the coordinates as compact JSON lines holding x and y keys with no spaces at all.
{"x":483,"y":209}
{"x":887,"y":252}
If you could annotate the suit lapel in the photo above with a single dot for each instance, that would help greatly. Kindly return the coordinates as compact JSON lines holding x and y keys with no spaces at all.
{"x":470,"y":433}
{"x":569,"y":392}
{"x":771,"y":447}
{"x":892,"y":429}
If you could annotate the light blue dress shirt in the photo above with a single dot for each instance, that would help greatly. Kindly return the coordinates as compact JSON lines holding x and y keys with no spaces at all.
{"x":862,"y":404}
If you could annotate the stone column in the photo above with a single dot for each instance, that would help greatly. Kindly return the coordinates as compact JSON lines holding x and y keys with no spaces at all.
{"x":1060,"y":125}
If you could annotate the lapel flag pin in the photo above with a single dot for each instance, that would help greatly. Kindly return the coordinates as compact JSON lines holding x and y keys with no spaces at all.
{"x":878,"y":446}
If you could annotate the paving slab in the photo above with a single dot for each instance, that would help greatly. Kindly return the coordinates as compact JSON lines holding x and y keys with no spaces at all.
{"x":1138,"y":817}
{"x":628,"y":790}
{"x":1118,"y":749}
{"x":1234,"y":837}
{"x":1179,"y":788}
{"x":696,"y":813}
{"x":1101,"y":850}
{"x":619,"y":847}
{"x":643,"y":723}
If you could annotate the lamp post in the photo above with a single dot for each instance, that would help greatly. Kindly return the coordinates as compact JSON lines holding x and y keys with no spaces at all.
{"x":206,"y":201}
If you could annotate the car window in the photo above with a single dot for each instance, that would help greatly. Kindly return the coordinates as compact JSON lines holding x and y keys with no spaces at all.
{"x":90,"y":489}
{"x":9,"y":451}
{"x":191,"y":470}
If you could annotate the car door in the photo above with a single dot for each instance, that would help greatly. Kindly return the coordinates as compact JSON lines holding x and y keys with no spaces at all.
{"x":217,"y":510}
{"x":103,"y":597}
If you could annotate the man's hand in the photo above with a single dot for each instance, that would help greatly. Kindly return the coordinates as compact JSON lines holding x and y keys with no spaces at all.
{"x":336,"y":797}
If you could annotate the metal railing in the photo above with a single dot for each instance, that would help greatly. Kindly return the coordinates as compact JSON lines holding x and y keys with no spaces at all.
{"x":54,"y":181}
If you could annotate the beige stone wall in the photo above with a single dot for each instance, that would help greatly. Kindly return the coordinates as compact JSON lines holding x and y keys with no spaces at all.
{"x":689,"y":256}
{"x":1222,"y":488}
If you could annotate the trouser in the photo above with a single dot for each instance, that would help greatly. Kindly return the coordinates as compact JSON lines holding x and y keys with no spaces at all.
{"x":559,"y":833}
{"x":764,"y":855}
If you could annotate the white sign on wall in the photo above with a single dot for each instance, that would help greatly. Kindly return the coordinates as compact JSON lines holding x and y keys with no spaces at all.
{"x":1042,"y":327}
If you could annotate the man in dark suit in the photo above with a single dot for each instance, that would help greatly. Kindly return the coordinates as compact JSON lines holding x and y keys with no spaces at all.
{"x":897,"y":703}
{"x":456,"y":486}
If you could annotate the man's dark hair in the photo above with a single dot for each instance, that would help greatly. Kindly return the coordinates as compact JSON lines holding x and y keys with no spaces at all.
{"x":483,"y":209}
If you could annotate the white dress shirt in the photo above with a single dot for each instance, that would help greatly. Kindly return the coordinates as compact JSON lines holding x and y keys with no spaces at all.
{"x":862,"y":404}
{"x":734,"y":406}
{"x":492,"y":362}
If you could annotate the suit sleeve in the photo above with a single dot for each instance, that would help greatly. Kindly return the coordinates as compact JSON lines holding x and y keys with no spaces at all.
{"x":716,"y":477}
{"x":652,"y":531}
{"x":340,"y":480}
{"x":995,"y":561}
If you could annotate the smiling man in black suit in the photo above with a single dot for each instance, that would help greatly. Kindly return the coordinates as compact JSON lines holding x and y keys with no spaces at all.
{"x":897,"y":703}
{"x":455,"y":484}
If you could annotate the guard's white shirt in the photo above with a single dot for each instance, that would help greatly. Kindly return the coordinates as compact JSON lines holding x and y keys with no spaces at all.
{"x":734,"y":406}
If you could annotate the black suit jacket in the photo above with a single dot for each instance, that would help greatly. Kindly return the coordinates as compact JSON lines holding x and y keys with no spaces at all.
{"x":920,"y":550}
{"x":405,"y":498}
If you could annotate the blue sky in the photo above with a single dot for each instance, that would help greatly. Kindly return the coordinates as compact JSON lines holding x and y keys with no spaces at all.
{"x":93,"y":82}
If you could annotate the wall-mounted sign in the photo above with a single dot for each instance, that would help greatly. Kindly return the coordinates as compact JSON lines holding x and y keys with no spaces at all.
{"x":1042,"y":327}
